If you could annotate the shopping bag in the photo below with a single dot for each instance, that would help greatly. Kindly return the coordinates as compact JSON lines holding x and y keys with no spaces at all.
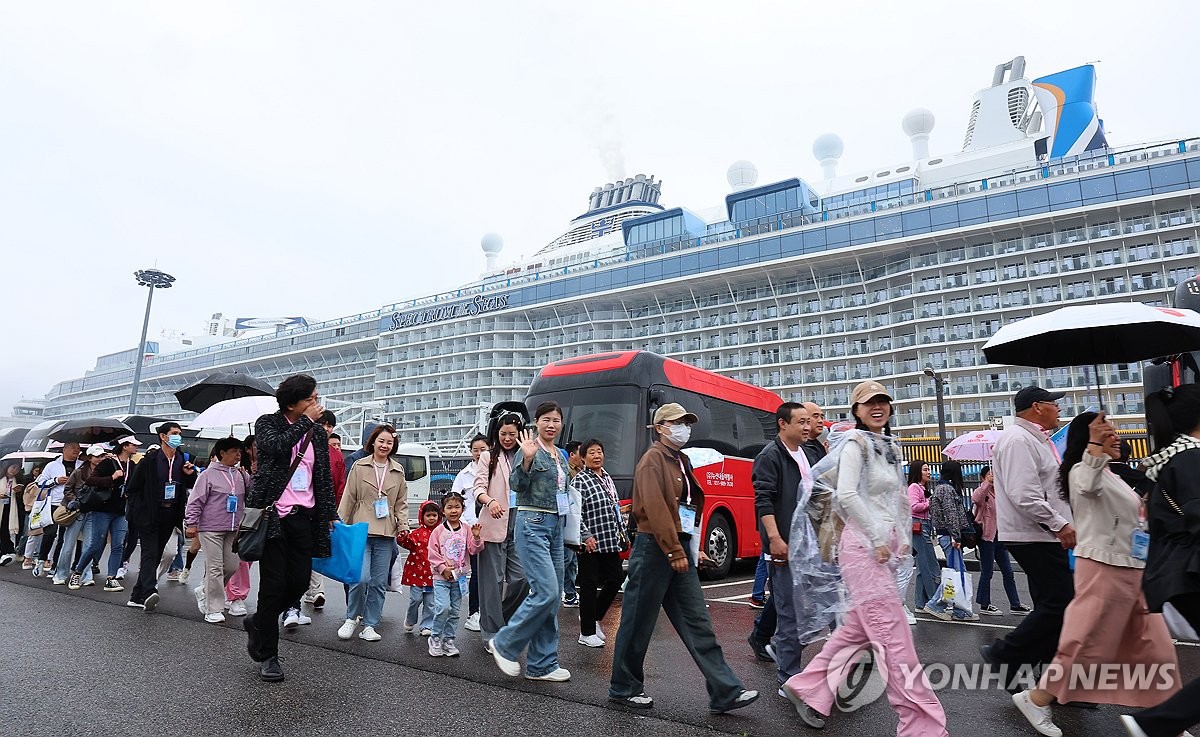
{"x":396,"y":575}
{"x":349,"y":545}
{"x":956,"y":582}
{"x":41,"y":514}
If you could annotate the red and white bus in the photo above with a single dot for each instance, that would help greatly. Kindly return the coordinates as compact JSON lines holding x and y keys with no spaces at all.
{"x":612,"y":397}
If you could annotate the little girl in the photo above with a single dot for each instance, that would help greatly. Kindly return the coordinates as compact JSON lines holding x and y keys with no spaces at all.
{"x":450,"y":551}
{"x":418,"y":576}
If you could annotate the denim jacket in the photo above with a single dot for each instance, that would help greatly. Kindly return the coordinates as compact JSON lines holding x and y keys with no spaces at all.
{"x":538,"y":487}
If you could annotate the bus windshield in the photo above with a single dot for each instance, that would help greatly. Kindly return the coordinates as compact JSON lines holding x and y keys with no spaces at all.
{"x":609,"y":414}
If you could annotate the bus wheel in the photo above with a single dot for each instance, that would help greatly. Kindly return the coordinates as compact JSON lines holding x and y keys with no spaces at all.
{"x":719,"y":544}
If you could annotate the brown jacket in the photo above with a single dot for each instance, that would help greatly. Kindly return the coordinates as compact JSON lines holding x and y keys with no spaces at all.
{"x":658,"y":485}
{"x":358,"y":499}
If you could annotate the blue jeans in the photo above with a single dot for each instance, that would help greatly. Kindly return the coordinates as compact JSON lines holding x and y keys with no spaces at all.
{"x":929,"y":573}
{"x":761,"y":573}
{"x":68,"y":536}
{"x":535,"y":623}
{"x":420,"y":607}
{"x":98,"y":527}
{"x":366,"y":597}
{"x":447,"y":600}
{"x":936,"y":603}
{"x":570,"y":571}
{"x":989,"y":552}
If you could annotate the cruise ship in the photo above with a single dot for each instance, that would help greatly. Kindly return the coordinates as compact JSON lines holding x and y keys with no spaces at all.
{"x":802,"y":287}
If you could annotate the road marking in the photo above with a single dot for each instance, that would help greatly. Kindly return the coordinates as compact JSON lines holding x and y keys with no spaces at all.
{"x":727,"y":583}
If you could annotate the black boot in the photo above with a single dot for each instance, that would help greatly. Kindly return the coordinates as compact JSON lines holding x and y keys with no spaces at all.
{"x":270,"y":670}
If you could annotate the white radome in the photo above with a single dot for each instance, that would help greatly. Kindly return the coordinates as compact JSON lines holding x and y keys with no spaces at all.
{"x":828,"y":146}
{"x":492,"y":243}
{"x":918,"y":121}
{"x":742,"y":175}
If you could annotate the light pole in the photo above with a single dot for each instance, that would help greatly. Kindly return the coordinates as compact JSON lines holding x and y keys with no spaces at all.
{"x":153,"y":279}
{"x":941,"y":402}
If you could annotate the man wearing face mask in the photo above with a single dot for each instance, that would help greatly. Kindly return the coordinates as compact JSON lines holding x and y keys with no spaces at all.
{"x":157,"y":491}
{"x":667,"y":509}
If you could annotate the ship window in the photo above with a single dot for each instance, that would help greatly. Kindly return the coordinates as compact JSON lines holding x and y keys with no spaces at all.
{"x":934,"y":162}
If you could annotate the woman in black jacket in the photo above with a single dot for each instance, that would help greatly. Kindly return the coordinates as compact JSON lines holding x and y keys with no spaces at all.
{"x":1173,"y":560}
{"x":106,"y":519}
{"x":300,"y":511}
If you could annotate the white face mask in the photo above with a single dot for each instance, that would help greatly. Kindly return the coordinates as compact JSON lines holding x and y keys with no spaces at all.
{"x":680,"y":434}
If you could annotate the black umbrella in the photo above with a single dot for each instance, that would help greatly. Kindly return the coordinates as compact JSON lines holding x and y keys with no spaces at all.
{"x":90,"y":430}
{"x":219,"y":387}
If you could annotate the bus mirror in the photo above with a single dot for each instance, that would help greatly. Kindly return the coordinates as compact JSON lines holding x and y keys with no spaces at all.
{"x":657,"y":398}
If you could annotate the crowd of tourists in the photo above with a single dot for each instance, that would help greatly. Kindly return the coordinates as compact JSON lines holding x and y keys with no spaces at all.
{"x":530,"y":527}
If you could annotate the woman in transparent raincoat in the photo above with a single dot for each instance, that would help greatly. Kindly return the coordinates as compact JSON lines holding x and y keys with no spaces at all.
{"x":864,"y":470}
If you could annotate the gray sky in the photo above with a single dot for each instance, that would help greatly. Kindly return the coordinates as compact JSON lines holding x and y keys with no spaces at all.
{"x":321,"y":159}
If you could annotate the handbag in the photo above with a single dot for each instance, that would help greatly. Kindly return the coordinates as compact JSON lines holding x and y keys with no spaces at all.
{"x":348,"y":547}
{"x":40,"y":516}
{"x":252,"y":533}
{"x":92,"y":498}
{"x":968,"y":536}
{"x":956,"y":587}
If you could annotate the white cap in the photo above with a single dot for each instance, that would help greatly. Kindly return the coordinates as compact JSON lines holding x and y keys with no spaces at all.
{"x":96,"y":449}
{"x":128,"y":439}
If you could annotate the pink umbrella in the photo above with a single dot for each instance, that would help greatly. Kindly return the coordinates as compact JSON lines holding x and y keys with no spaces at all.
{"x":973,"y":446}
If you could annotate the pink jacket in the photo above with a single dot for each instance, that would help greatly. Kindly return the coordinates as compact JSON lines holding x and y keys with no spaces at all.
{"x":984,"y":499}
{"x":496,"y":487}
{"x":918,"y":501}
{"x":452,"y":549}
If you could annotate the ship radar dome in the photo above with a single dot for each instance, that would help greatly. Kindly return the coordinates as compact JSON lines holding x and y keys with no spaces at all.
{"x":917,"y":124}
{"x":828,"y":149}
{"x":491,"y":244}
{"x":741,"y":175}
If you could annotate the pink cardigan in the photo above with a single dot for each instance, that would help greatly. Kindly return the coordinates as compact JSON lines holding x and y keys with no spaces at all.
{"x":984,"y":499}
{"x":918,"y":501}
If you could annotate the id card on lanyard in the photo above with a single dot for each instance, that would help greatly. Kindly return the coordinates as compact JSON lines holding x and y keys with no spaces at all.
{"x":381,"y":504}
{"x":231,"y":501}
{"x":169,"y":489}
{"x":687,"y":512}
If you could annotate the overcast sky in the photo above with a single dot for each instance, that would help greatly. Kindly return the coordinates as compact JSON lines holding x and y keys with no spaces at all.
{"x":323,"y":159}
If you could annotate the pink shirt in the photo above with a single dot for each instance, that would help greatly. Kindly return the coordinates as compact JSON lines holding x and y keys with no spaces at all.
{"x":302,"y":497}
{"x":916,"y":499}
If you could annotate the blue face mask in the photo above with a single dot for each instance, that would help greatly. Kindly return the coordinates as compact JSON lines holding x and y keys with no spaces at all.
{"x":174,"y":440}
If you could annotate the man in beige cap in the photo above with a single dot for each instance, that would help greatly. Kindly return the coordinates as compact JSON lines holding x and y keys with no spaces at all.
{"x":668,"y":505}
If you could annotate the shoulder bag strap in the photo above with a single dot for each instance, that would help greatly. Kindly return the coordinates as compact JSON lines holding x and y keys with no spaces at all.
{"x":300,"y":455}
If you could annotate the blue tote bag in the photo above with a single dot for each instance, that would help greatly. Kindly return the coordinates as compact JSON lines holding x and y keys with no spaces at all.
{"x":349,"y":545}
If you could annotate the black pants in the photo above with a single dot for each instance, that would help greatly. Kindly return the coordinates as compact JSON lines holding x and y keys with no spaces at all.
{"x":49,"y":535}
{"x":764,"y":624}
{"x":599,"y":581}
{"x":473,"y":587}
{"x":14,"y":506}
{"x":1035,"y":640}
{"x":154,"y":534}
{"x":283,"y":576}
{"x":131,"y":542}
{"x":1182,"y":710}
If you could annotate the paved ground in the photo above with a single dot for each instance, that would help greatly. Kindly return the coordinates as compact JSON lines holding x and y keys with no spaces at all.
{"x":82,"y":663}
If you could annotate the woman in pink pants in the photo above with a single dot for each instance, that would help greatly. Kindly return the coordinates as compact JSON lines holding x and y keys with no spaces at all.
{"x":870,"y":497}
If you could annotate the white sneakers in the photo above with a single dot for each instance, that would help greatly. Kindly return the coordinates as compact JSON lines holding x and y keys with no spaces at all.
{"x":435,"y":646}
{"x":600,"y":633}
{"x":295,"y":618}
{"x":558,"y":675}
{"x":472,"y":623}
{"x":183,"y":576}
{"x":912,"y":618}
{"x":236,"y":608}
{"x":214,"y":618}
{"x":201,"y":602}
{"x":1040,"y":717}
{"x":346,"y":631}
{"x":591,"y":640}
{"x":508,"y":667}
{"x":368,"y":633}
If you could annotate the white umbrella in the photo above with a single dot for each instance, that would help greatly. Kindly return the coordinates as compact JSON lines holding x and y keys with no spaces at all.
{"x":240,"y":411}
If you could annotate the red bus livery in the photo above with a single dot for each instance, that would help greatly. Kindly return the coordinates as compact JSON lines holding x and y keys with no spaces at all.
{"x":612,"y":396}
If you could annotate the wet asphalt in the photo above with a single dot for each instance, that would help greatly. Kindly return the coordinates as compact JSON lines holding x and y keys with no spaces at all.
{"x":82,"y":663}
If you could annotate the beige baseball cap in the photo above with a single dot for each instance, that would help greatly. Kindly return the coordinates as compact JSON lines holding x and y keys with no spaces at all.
{"x":868,"y":390}
{"x":674,"y":411}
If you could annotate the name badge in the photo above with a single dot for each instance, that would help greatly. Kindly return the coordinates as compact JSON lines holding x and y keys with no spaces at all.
{"x":687,"y":518}
{"x":231,"y":503}
{"x":300,"y":479}
{"x":169,"y":493}
{"x":1141,"y":544}
{"x":512,"y":500}
{"x":381,"y":508}
{"x":564,"y":502}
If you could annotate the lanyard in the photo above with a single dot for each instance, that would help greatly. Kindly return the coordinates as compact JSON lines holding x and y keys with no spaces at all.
{"x":171,"y":468}
{"x":380,"y":475}
{"x":562,"y":481}
{"x":687,"y":487}
{"x":232,"y":481}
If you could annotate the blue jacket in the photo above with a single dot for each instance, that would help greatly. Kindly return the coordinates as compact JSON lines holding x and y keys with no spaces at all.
{"x":538,"y":486}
